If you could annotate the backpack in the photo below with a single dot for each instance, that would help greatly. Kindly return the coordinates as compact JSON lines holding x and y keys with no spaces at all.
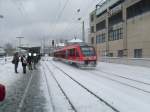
{"x":13,"y":61}
{"x":24,"y":61}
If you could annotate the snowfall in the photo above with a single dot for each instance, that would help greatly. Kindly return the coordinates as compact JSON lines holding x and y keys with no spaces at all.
{"x":55,"y":86}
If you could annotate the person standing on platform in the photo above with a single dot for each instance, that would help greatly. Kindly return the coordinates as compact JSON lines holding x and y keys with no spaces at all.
{"x":30,"y":61}
{"x":15,"y":61}
{"x":24,"y":63}
{"x":35,"y":60}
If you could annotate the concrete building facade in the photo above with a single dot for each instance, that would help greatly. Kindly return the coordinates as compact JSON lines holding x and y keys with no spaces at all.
{"x":121,"y":28}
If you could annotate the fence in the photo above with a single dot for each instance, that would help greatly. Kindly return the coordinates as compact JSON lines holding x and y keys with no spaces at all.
{"x":128,"y":61}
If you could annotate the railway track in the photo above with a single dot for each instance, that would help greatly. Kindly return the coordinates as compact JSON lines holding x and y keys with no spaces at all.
{"x":49,"y":93}
{"x":84,"y":87}
{"x":120,"y":82}
{"x":123,"y":77}
{"x":67,"y":98}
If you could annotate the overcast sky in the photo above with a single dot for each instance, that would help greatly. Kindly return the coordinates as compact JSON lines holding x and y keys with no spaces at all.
{"x":38,"y":19}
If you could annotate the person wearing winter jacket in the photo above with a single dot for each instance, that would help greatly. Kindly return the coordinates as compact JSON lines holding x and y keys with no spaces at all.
{"x":15,"y":61}
{"x":24,"y":63}
{"x":30,"y":61}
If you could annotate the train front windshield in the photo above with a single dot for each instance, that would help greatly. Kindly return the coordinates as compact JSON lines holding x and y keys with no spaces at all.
{"x":88,"y":51}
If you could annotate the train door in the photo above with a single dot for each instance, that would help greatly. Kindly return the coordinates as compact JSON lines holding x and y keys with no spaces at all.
{"x":67,"y":53}
{"x":77,"y":55}
{"x":72,"y":56}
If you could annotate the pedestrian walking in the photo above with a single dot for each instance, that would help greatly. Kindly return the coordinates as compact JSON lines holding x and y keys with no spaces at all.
{"x":35,"y":60}
{"x":15,"y":61}
{"x":30,"y":61}
{"x":24,"y":63}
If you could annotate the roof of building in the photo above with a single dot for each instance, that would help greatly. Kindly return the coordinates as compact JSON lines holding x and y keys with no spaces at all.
{"x":75,"y":40}
{"x":2,"y":51}
{"x":60,"y":44}
{"x":104,"y":5}
{"x":35,"y":49}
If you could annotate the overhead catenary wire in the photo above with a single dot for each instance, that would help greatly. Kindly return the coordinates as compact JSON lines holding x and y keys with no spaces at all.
{"x":59,"y":16}
{"x":19,"y":8}
{"x":85,"y":14}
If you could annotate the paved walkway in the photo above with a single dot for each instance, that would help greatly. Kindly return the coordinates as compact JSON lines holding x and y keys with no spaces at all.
{"x":26,"y":94}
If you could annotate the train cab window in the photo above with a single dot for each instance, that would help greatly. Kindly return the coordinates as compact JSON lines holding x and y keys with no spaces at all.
{"x":88,"y":51}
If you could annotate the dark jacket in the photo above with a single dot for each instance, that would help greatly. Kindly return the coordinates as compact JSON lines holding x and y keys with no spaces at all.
{"x":24,"y":61}
{"x":29,"y":59}
{"x":15,"y":59}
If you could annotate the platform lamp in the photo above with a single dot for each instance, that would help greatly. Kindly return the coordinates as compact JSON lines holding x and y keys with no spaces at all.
{"x":19,"y":40}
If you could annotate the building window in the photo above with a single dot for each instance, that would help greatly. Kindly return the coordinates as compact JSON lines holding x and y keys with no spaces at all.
{"x":116,"y":34}
{"x":92,"y":29}
{"x":110,"y":55}
{"x":100,"y":38}
{"x":101,"y":25}
{"x":138,"y":8}
{"x":92,"y":40}
{"x":120,"y":53}
{"x":92,"y":18}
{"x":137,"y":53}
{"x":103,"y":53}
{"x":101,"y":14}
{"x":115,"y":19}
{"x":116,"y":4}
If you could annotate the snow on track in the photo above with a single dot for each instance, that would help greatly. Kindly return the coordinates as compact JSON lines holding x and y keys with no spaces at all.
{"x":60,"y":87}
{"x":132,"y":72}
{"x":79,"y":95}
{"x":125,"y":99}
{"x":144,"y":87}
{"x":58,"y":100}
{"x":123,"y":77}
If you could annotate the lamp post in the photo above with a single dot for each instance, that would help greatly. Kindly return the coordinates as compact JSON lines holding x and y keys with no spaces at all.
{"x":19,"y":39}
{"x":83,"y":29}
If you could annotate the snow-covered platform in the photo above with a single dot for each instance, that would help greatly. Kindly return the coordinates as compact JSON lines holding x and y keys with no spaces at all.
{"x":58,"y":87}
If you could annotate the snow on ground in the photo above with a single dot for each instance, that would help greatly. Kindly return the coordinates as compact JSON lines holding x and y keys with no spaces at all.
{"x":7,"y":75}
{"x":35,"y":97}
{"x":58,"y":100}
{"x":136,"y":72}
{"x":78,"y":95}
{"x":119,"y":85}
{"x":124,"y":98}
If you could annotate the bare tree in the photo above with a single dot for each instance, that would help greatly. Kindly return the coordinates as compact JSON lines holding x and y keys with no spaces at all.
{"x":9,"y":49}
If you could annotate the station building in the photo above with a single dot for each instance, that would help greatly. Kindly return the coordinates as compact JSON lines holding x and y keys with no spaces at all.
{"x":121,"y":28}
{"x":2,"y":52}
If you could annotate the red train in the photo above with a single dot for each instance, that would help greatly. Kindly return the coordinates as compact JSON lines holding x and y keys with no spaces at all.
{"x":82,"y":55}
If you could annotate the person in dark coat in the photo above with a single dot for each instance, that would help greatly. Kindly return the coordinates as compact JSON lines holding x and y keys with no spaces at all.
{"x":35,"y":60}
{"x":24,"y":63}
{"x":30,"y":61}
{"x":15,"y":61}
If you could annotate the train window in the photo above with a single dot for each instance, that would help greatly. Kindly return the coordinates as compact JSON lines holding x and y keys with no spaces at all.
{"x":72,"y":52}
{"x":88,"y":51}
{"x":77,"y":54}
{"x":67,"y":53}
